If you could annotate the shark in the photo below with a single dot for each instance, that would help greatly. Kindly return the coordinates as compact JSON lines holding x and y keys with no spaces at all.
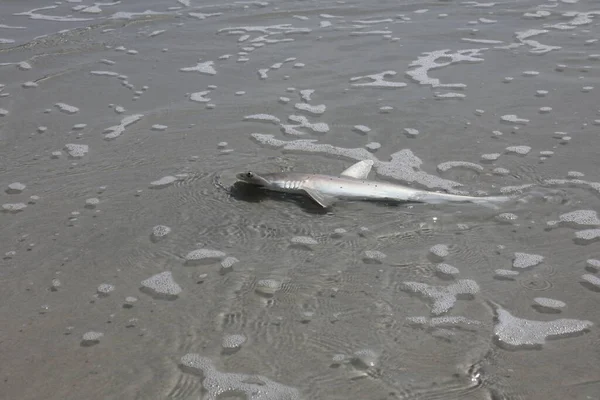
{"x":353,"y":184}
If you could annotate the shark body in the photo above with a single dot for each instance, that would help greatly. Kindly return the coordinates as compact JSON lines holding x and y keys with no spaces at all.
{"x":352,"y":184}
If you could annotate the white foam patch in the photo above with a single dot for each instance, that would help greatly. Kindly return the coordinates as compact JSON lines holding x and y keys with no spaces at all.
{"x":431,"y":60}
{"x":204,"y":256}
{"x":315,"y":110}
{"x":202,"y":67}
{"x":263,"y":118}
{"x":525,"y":260}
{"x":588,"y":235}
{"x":513,"y":119}
{"x":132,"y":15}
{"x":162,"y":284}
{"x":592,"y":280}
{"x":233,"y":341}
{"x":443,"y":297}
{"x":449,"y":95}
{"x":202,"y":16}
{"x":267,"y":287}
{"x":163,"y":182}
{"x":115,"y":131}
{"x":160,"y":231}
{"x":518,"y":332}
{"x":306,"y":94}
{"x":33,"y":14}
{"x":448,"y":165}
{"x":66,"y":108}
{"x":581,"y":217}
{"x":377,"y":80}
{"x":523,"y":38}
{"x":222,"y":384}
{"x":373,"y":257}
{"x":13,"y":207}
{"x":15,"y":188}
{"x":444,"y":321}
{"x":403,"y":165}
{"x":303,"y":122}
{"x":200,"y":97}
{"x":304,"y":241}
{"x":371,"y":33}
{"x":482,"y":41}
{"x":549,"y":303}
{"x":522,"y":150}
{"x":362,"y":129}
{"x":440,"y":250}
{"x":77,"y":150}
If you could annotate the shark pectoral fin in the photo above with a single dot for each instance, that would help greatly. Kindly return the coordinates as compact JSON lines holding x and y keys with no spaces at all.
{"x":322,"y":199}
{"x":359,"y":170}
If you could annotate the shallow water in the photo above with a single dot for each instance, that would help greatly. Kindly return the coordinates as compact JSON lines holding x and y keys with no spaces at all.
{"x":133,"y":265}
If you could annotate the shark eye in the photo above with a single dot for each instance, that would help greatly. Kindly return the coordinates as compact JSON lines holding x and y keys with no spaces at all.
{"x":249,"y":174}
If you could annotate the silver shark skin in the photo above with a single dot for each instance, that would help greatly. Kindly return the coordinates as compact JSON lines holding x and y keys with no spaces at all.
{"x":326,"y":189}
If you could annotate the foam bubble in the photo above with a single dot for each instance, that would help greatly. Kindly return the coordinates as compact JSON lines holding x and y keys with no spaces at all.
{"x":549,"y":303}
{"x":587,"y":235}
{"x":592,"y":280}
{"x":202,"y":67}
{"x":373,"y":257}
{"x":448,"y":165}
{"x":525,"y":260}
{"x":377,"y":80}
{"x":443,"y":297}
{"x":506,"y":273}
{"x":76,"y":150}
{"x":521,"y":150}
{"x":105,"y":289}
{"x":163,"y":182}
{"x":115,"y":131}
{"x":15,"y":188}
{"x":513,"y":119}
{"x":303,"y":241}
{"x":91,"y":338}
{"x":235,"y":341}
{"x":263,"y":118}
{"x":430,"y":60}
{"x":160,"y":232}
{"x":411,"y":132}
{"x":158,"y":127}
{"x":518,"y":332}
{"x":316,"y":110}
{"x":66,"y":108}
{"x":362,"y":129}
{"x":228,"y":263}
{"x":204,"y":256}
{"x":162,"y":284}
{"x":443,"y":321}
{"x":267,"y":287}
{"x":221,"y":384}
{"x":13,"y":207}
{"x":593,"y":264}
{"x":507,"y":217}
{"x":440,"y":250}
{"x":530,"y":73}
{"x":581,"y":217}
{"x":447,"y":270}
{"x":490,"y":156}
{"x":373,"y":146}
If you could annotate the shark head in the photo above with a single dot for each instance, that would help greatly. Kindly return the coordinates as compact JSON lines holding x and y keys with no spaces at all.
{"x":253,"y":178}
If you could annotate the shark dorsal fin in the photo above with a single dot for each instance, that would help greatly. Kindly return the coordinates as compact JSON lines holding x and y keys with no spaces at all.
{"x":359,"y":170}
